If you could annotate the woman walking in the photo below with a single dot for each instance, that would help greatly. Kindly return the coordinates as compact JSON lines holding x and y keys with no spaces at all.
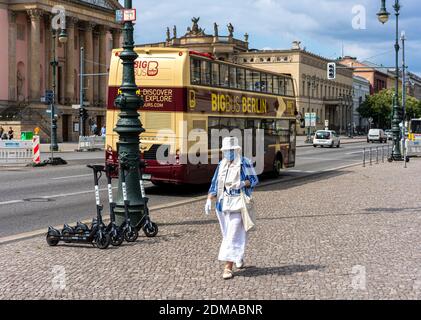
{"x":234,"y":175}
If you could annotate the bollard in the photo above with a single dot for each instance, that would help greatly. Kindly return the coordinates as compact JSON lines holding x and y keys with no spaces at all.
{"x":36,"y":150}
{"x":377,"y":155}
{"x":382,"y":154}
{"x":364,"y":158}
{"x":371,"y":157}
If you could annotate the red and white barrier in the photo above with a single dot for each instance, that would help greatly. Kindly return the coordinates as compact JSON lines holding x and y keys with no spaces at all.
{"x":36,"y":147}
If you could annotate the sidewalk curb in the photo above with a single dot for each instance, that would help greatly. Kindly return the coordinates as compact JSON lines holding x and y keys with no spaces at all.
{"x":342,"y":142}
{"x":40,"y":232}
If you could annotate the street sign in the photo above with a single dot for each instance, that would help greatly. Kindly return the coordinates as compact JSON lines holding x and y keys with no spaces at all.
{"x":370,"y":120}
{"x":310,"y":119}
{"x":75,"y":106}
{"x":326,"y":124}
{"x":125,"y":15}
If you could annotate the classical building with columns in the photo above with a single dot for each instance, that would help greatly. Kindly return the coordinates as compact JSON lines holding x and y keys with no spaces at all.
{"x":26,"y":52}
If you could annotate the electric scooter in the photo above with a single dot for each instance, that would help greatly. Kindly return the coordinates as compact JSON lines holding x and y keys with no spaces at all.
{"x":96,"y":235}
{"x":112,"y":229}
{"x":149,"y":228}
{"x":129,"y":231}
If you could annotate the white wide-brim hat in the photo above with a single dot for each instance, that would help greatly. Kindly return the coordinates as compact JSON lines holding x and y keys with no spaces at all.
{"x":230,"y":143}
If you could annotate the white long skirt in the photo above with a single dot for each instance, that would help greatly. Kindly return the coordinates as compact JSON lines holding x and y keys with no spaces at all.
{"x":234,"y":237}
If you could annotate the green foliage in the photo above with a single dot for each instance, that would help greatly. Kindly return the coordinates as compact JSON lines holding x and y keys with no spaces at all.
{"x":379,"y":107}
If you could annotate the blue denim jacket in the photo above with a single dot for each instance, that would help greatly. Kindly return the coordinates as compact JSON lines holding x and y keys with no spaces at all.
{"x":247,"y":173}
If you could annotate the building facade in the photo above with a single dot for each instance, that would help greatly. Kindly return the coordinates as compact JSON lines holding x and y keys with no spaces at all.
{"x":26,"y":43}
{"x":378,"y":77}
{"x":360,"y":93}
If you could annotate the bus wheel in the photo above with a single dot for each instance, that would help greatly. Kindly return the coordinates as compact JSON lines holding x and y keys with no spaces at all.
{"x":158,"y":183}
{"x":277,"y":167}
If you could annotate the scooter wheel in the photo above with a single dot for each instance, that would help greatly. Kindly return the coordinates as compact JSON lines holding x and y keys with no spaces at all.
{"x":150,"y":229}
{"x":117,"y":239}
{"x":131,"y":234}
{"x":102,"y":242}
{"x":52,"y":240}
{"x":66,"y":233}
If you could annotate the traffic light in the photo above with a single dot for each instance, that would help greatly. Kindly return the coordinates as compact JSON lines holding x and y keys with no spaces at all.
{"x":331,"y":70}
{"x":83,"y":114}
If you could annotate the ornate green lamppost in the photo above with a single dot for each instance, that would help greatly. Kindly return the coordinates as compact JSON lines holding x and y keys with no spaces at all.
{"x":383,"y":17}
{"x":129,"y":128}
{"x":62,"y":37}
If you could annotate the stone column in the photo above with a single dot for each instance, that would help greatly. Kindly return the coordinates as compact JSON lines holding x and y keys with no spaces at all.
{"x":89,"y":58}
{"x":102,"y":65}
{"x":116,"y":38}
{"x":48,"y":53}
{"x":12,"y":57}
{"x":34,"y":83}
{"x":95,"y":66}
{"x":70,"y":61}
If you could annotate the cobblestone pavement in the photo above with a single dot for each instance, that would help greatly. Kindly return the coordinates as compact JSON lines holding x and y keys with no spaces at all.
{"x":350,"y":234}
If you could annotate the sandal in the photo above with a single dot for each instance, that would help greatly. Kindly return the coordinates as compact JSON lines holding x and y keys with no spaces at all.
{"x":240,"y":265}
{"x":227,"y":274}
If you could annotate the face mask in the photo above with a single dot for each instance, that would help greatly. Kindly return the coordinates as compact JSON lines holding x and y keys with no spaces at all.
{"x":229,"y":155}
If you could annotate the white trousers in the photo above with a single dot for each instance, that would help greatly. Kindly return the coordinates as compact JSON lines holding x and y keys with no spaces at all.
{"x":234,"y":237}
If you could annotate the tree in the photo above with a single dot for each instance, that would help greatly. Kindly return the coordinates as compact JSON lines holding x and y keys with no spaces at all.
{"x":379,"y":107}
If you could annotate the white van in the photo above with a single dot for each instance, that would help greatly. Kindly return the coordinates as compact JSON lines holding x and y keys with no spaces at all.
{"x":326,"y":138}
{"x":376,"y":135}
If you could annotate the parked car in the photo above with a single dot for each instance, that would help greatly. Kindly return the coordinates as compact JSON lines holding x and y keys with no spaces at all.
{"x":376,"y":135}
{"x":389,"y":134}
{"x":326,"y":138}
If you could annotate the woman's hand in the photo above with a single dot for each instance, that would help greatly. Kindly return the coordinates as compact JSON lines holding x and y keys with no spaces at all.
{"x":245,"y":184}
{"x":208,"y":206}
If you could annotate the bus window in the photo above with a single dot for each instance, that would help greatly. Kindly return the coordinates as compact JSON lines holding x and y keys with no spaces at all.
{"x":195,"y":71}
{"x":257,"y":81}
{"x":415,"y":126}
{"x":275,"y":84}
{"x":264,"y":82}
{"x":281,"y":86}
{"x":283,"y":130}
{"x":206,"y":73}
{"x":241,"y":79}
{"x":233,"y":77}
{"x":224,"y":75}
{"x":238,"y":123}
{"x":270,"y":83}
{"x":249,"y":80}
{"x":289,"y":88}
{"x":215,"y":74}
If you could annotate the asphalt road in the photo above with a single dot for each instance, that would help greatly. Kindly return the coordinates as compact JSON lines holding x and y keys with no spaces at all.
{"x":34,"y":198}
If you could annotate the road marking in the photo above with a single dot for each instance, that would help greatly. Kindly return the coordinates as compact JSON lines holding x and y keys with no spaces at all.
{"x":10,"y":202}
{"x":31,"y":234}
{"x":62,"y":195}
{"x":300,"y":171}
{"x":357,"y":152}
{"x":54,"y":196}
{"x":71,"y":177}
{"x":325,"y":159}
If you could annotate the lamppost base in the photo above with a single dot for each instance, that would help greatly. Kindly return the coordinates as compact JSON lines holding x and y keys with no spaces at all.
{"x":55,"y":161}
{"x":397,"y":158}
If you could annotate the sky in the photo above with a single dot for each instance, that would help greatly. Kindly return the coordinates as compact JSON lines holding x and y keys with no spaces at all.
{"x":324,"y":27}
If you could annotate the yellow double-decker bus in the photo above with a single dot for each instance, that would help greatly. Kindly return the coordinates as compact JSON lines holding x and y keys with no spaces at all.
{"x":186,"y":91}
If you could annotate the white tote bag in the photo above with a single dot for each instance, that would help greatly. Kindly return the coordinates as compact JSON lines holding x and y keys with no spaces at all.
{"x":247,"y":212}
